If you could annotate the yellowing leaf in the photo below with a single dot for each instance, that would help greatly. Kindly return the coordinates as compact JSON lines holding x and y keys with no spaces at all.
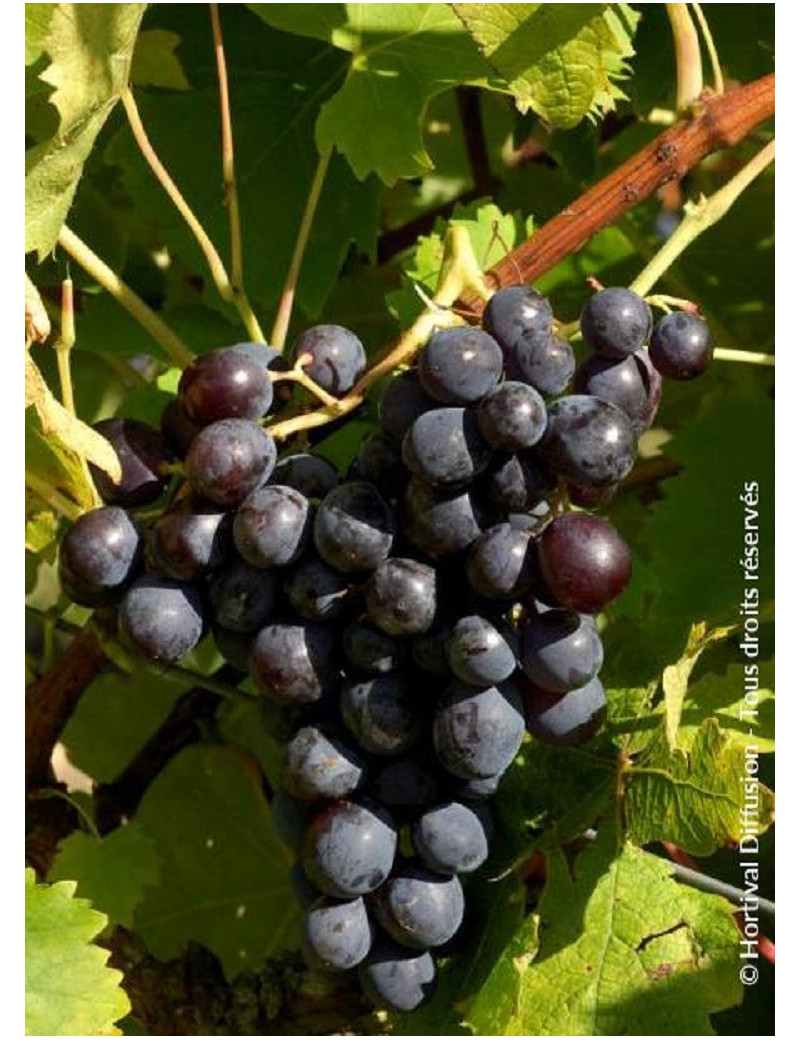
{"x":57,"y":422}
{"x":623,"y":950}
{"x":37,"y":323}
{"x":675,"y":678}
{"x":90,"y":48}
{"x":69,"y":990}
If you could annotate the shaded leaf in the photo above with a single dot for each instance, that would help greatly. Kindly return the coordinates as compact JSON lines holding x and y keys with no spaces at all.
{"x":52,"y":465}
{"x":748,"y":718}
{"x":560,"y":60}
{"x":402,"y":55}
{"x":224,"y":876}
{"x":625,"y":950}
{"x":695,"y":797}
{"x":112,"y":872}
{"x":90,"y":47}
{"x":155,"y":63}
{"x":675,"y":677}
{"x":69,"y":991}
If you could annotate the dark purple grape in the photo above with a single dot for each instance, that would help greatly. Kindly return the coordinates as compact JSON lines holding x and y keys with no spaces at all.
{"x":566,"y":719}
{"x":99,"y":555}
{"x":397,"y":978}
{"x":177,"y":428}
{"x":316,"y":591}
{"x":591,"y":497}
{"x":188,"y":542}
{"x":477,"y":732}
{"x":561,"y":650}
{"x":382,"y":713}
{"x":405,"y":786}
{"x":546,"y":362}
{"x":369,"y":650}
{"x":162,"y":619}
{"x":476,"y":789}
{"x":514,"y":311}
{"x":293,"y":663}
{"x":337,"y":936}
{"x":418,"y":908}
{"x":478,"y":653}
{"x":229,"y":460}
{"x":143,"y":453}
{"x":621,"y":383}
{"x":460,"y":365}
{"x":652,"y":378}
{"x":401,"y":597}
{"x":589,"y":442}
{"x":516,"y":483}
{"x":272,"y":526}
{"x":430,"y":650}
{"x":440,"y":522}
{"x":242,"y":597}
{"x":225,"y":384}
{"x":584,"y":561}
{"x":682,"y":346}
{"x":616,"y":322}
{"x":453,"y":838}
{"x":502,"y":563}
{"x":349,"y":849}
{"x":336,"y":357}
{"x":445,"y":447}
{"x":380,"y":462}
{"x":401,"y":403}
{"x":321,"y":767}
{"x":311,"y":475}
{"x":354,"y":528}
{"x":512,"y":416}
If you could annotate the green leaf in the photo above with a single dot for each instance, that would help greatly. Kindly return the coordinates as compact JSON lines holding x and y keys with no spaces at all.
{"x":90,"y":47}
{"x":402,"y":55}
{"x":41,"y":524}
{"x":115,"y":716}
{"x":53,"y":465}
{"x":277,"y":84}
{"x":112,"y":872}
{"x":695,"y":797}
{"x":155,"y":63}
{"x":560,"y":60}
{"x":69,"y":991}
{"x":37,"y":26}
{"x":743,"y":704}
{"x":675,"y":677}
{"x":224,"y":875}
{"x":624,"y":950}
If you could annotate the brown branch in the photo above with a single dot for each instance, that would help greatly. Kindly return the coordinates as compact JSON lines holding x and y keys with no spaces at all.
{"x":721,"y":123}
{"x":51,"y":700}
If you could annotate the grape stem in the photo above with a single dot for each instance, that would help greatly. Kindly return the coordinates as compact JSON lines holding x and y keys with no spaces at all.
{"x":297,"y":375}
{"x":699,"y":217}
{"x":721,"y":122}
{"x":708,"y":39}
{"x":284,"y":315}
{"x":175,"y":348}
{"x":669,"y":303}
{"x":687,"y":54}
{"x":460,"y":271}
{"x":228,"y":167}
{"x":207,"y":247}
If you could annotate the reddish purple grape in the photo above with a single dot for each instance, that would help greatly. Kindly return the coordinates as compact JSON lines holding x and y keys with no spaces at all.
{"x":225,"y":384}
{"x":142,"y":453}
{"x":584,"y":561}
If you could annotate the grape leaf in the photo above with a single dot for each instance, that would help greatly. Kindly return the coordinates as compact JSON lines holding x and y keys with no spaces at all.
{"x":41,"y":524}
{"x":560,"y":60}
{"x":224,"y":875}
{"x":37,"y":321}
{"x":90,"y":47}
{"x":694,"y":797}
{"x":748,"y":720}
{"x":37,"y":26}
{"x":277,"y":84}
{"x":62,"y":426}
{"x":675,"y":677}
{"x":402,"y":55}
{"x":112,"y":872}
{"x":48,"y":464}
{"x":116,"y":714}
{"x":623,"y":950}
{"x":69,"y":990}
{"x":155,"y":63}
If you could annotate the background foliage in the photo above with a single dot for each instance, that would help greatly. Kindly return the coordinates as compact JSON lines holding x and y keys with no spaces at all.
{"x":495,"y":116}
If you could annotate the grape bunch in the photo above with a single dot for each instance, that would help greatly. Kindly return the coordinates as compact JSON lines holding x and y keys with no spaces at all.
{"x":405,"y":622}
